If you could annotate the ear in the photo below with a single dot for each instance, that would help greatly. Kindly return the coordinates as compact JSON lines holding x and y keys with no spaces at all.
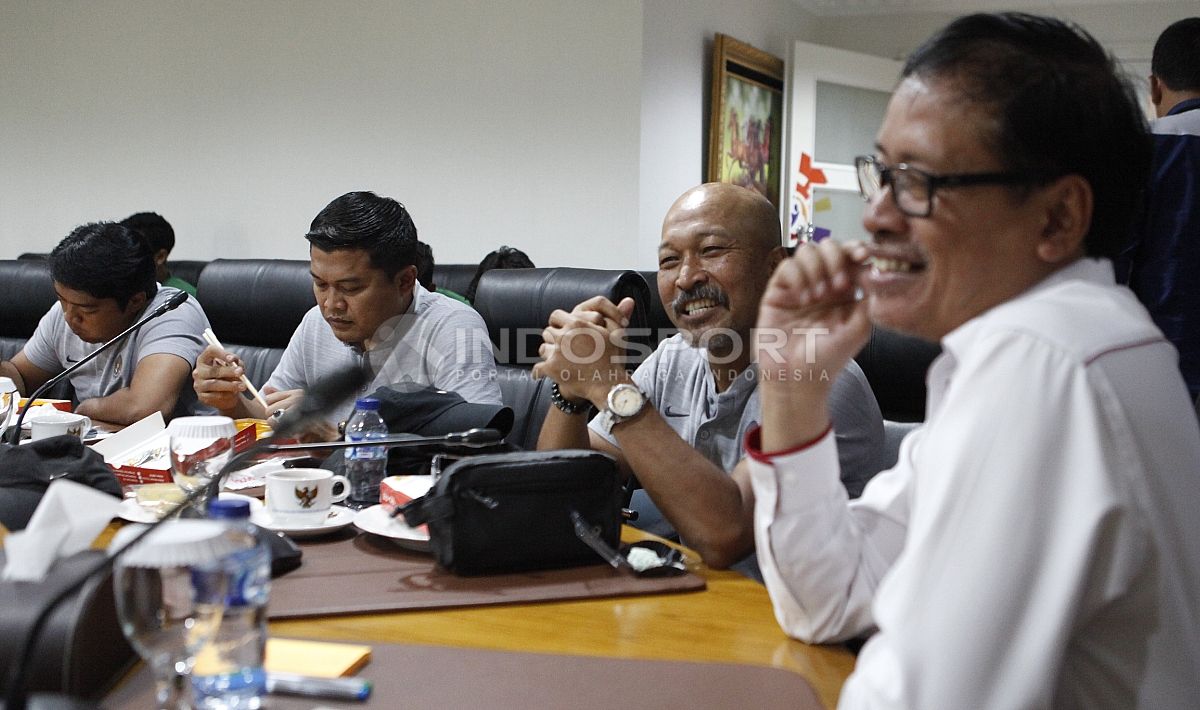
{"x":1068,"y":202}
{"x":1156,"y":91}
{"x":405,"y":278}
{"x":776,"y":255}
{"x":136,"y":302}
{"x":160,"y":257}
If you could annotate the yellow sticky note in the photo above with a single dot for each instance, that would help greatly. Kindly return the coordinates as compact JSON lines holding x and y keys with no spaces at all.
{"x":822,"y":205}
{"x":324,"y":659}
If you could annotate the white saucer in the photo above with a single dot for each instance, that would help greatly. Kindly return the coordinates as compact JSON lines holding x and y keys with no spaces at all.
{"x":134,"y":513}
{"x":339,"y":517}
{"x":377,"y":521}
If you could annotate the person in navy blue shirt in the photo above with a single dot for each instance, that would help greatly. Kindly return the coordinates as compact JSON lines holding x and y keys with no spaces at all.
{"x":1162,"y":262}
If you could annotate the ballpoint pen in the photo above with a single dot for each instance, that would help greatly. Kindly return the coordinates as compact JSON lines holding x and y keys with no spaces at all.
{"x":211,"y":338}
{"x":313,"y":687}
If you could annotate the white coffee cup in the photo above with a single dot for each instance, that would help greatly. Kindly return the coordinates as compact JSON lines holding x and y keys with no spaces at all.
{"x":59,"y":423}
{"x":301,"y":497}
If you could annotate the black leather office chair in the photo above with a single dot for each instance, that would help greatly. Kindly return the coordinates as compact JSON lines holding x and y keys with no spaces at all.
{"x":29,"y":294}
{"x":187,"y":270}
{"x":454,"y":277}
{"x":895,"y":366}
{"x":254,"y":306}
{"x":516,"y":305}
{"x":661,"y":326}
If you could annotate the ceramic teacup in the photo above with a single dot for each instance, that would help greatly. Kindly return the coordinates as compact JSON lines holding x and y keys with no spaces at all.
{"x":301,"y":497}
{"x":59,"y":423}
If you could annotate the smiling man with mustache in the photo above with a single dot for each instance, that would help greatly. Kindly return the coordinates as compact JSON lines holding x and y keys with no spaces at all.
{"x":678,"y":421}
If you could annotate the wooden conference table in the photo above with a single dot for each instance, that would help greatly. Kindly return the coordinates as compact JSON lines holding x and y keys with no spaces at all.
{"x":729,"y":622}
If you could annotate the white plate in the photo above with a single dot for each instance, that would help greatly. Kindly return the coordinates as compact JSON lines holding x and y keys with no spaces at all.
{"x":376,"y":521}
{"x":134,"y":513}
{"x":339,"y":517}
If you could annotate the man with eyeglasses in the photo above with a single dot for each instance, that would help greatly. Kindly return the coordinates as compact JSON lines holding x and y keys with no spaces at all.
{"x":1037,"y":543}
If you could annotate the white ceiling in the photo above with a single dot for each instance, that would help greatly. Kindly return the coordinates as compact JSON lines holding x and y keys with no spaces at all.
{"x":845,"y":8}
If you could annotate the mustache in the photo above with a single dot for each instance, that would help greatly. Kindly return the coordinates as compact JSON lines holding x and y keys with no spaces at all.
{"x":698,"y":292}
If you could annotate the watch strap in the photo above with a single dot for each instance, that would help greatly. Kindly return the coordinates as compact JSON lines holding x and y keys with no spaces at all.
{"x":565,"y":405}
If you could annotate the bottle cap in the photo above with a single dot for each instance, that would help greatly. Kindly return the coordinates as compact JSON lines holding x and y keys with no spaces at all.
{"x":228,"y":509}
{"x":368,"y":403}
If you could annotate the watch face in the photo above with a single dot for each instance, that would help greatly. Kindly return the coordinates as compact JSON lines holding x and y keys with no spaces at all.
{"x":626,"y":401}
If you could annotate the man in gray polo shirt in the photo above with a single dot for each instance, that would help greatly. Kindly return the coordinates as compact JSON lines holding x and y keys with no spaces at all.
{"x":104,"y":278}
{"x":363,"y":252}
{"x":679,"y":421}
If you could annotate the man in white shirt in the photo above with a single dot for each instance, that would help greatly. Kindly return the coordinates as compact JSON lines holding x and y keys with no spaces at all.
{"x":363,"y":250}
{"x":1037,"y":544}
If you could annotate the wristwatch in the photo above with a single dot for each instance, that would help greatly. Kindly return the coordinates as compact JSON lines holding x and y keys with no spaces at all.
{"x":625,"y":401}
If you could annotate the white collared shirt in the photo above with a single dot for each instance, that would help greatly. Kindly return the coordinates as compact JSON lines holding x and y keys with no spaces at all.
{"x":1038,"y":542}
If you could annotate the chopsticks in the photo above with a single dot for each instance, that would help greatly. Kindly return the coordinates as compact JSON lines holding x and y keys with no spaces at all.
{"x":212,"y":340}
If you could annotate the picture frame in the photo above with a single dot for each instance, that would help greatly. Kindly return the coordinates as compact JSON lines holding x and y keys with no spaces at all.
{"x":745,"y":132}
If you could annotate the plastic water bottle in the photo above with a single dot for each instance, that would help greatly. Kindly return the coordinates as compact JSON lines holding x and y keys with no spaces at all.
{"x":365,"y":465}
{"x":229,"y":671}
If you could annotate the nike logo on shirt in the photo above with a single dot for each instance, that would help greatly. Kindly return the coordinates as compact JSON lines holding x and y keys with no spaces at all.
{"x":667,"y":411}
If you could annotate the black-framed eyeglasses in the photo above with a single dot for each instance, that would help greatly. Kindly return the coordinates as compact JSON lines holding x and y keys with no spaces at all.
{"x":912,"y":189}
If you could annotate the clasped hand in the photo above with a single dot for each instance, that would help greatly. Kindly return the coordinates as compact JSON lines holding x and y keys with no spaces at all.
{"x":583,"y":350}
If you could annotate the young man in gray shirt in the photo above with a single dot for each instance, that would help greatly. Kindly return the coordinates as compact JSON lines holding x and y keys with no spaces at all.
{"x":104,"y":277}
{"x":363,"y":252}
{"x":678,"y":421}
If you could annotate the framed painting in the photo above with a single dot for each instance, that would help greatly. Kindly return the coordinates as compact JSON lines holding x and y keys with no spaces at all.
{"x":745,"y":132}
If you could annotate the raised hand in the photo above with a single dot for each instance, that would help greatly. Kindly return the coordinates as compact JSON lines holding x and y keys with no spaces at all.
{"x":582,"y":349}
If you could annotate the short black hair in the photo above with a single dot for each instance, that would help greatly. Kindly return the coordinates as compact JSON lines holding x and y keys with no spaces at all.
{"x":154,"y":229}
{"x":105,"y":260}
{"x":505,"y":257}
{"x":425,"y":265}
{"x":1176,"y":58}
{"x":363,"y":220}
{"x":1061,"y":107}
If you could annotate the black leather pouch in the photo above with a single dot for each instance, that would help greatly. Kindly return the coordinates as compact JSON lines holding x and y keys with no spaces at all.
{"x":511,"y":512}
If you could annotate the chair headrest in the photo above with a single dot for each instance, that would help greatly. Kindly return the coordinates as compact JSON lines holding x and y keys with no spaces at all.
{"x":29,"y":293}
{"x":454,"y":277}
{"x":233,"y":291}
{"x":516,"y":304}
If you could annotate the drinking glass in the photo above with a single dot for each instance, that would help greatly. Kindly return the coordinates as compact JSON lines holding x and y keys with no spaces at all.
{"x":170,"y":593}
{"x":200,"y":448}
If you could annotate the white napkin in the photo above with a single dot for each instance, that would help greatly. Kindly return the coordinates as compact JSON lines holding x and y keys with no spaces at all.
{"x":66,"y":521}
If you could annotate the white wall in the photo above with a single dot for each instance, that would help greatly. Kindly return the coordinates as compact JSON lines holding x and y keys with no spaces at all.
{"x":493,"y":122}
{"x":677,"y":55}
{"x":1128,"y":30}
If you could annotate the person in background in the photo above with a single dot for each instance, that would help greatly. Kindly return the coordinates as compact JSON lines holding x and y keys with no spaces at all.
{"x":503,"y":258}
{"x":697,"y":394}
{"x":1162,"y":262}
{"x":104,"y":276}
{"x":161,"y":238}
{"x":1037,"y":543}
{"x":369,"y":314}
{"x":425,"y":266}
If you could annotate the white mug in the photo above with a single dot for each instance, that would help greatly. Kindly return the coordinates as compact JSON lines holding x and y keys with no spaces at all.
{"x":301,"y":497}
{"x":59,"y":423}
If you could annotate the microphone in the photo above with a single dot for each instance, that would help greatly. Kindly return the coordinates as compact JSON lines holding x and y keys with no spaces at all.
{"x":171,"y":304}
{"x":317,"y":398}
{"x":471,"y":438}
